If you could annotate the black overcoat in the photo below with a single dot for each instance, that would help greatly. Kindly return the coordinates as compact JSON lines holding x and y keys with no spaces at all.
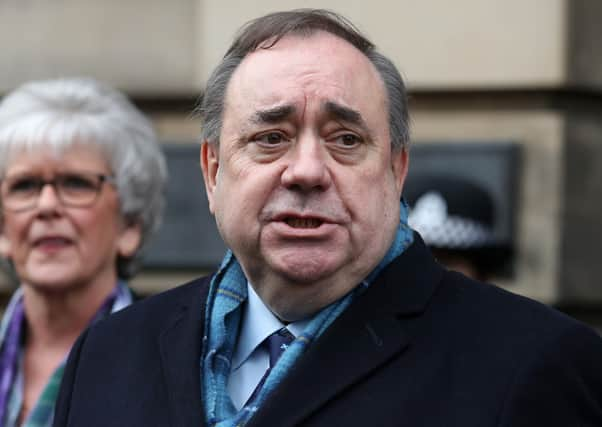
{"x":423,"y":346}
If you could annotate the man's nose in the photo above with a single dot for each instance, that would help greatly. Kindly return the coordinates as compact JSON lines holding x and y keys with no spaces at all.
{"x":307,"y":168}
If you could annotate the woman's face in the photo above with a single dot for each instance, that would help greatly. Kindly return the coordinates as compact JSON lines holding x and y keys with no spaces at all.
{"x":57,"y":248}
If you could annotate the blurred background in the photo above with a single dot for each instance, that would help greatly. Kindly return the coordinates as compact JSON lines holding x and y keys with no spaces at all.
{"x":506,"y":94}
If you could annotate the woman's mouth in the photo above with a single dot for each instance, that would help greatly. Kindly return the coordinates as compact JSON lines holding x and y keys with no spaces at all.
{"x":52,"y":242}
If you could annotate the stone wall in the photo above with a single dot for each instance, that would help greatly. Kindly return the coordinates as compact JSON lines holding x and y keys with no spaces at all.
{"x":526,"y":71}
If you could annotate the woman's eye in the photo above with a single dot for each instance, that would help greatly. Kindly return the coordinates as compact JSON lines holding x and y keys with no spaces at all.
{"x":25,"y":185}
{"x":75,"y":182}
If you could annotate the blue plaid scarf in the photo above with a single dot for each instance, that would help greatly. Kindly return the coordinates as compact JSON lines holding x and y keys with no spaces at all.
{"x":228,"y":292}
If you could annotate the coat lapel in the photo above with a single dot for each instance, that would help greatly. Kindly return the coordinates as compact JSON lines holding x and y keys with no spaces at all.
{"x":180,"y":348}
{"x":374,"y":329}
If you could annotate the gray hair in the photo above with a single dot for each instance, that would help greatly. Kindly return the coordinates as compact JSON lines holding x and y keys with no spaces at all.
{"x":266,"y":31}
{"x":58,"y":113}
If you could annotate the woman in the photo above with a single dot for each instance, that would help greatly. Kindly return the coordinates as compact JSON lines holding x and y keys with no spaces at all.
{"x":81,"y":190}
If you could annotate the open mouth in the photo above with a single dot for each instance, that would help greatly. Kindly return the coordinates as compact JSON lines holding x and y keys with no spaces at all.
{"x":303,"y":222}
{"x":53,"y":241}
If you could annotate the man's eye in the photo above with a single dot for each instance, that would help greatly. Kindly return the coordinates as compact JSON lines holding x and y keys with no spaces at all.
{"x":271,"y":138}
{"x":348,"y":140}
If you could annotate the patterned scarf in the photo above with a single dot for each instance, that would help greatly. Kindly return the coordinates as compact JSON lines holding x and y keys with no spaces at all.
{"x":228,"y":292}
{"x":11,"y":367}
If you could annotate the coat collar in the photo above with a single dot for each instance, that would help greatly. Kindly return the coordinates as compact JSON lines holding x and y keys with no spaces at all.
{"x":375,"y":328}
{"x":180,"y":349}
{"x":412,"y":279}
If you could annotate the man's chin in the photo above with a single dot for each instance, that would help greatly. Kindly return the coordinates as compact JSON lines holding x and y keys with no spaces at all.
{"x":306,"y":266}
{"x":297,"y":291}
{"x":305,"y":271}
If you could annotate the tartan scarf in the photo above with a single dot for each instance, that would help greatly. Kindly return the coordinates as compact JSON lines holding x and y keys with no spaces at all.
{"x":227,"y":293}
{"x":11,"y":364}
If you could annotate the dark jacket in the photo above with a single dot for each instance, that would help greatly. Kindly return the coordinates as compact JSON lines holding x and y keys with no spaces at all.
{"x":423,"y":346}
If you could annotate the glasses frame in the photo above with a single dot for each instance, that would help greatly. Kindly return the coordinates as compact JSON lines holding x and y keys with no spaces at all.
{"x":58,"y":189}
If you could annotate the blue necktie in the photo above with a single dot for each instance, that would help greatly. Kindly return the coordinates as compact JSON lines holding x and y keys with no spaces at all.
{"x":275,"y":344}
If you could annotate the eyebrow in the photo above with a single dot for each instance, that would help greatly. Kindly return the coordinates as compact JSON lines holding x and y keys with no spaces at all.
{"x":345,"y":114}
{"x":331,"y":108}
{"x":273,"y":115}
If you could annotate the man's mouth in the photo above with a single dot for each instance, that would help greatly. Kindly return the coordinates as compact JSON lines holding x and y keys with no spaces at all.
{"x":303,"y":222}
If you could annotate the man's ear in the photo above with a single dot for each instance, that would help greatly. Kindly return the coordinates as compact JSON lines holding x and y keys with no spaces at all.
{"x":210,"y":166}
{"x":400,"y":160}
{"x":129,"y":240}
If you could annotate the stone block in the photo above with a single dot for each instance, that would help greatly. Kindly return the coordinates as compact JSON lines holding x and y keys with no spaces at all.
{"x":142,"y":46}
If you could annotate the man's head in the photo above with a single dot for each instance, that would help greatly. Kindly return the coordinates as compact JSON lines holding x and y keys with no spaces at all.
{"x":302,"y":161}
{"x":265,"y":31}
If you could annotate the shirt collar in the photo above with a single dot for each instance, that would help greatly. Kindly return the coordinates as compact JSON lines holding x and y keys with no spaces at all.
{"x":258,"y":323}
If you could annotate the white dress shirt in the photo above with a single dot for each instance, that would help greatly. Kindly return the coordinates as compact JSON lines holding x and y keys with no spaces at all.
{"x":249,"y":362}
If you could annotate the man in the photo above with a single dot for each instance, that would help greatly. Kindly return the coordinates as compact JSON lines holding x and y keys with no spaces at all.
{"x":328,"y":311}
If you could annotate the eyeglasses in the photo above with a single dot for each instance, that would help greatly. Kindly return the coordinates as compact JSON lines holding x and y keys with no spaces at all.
{"x":75,"y":189}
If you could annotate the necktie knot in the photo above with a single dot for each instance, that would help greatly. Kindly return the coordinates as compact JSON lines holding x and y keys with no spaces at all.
{"x":277,"y":343}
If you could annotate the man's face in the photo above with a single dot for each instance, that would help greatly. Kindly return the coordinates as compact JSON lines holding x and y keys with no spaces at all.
{"x":303,"y":185}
